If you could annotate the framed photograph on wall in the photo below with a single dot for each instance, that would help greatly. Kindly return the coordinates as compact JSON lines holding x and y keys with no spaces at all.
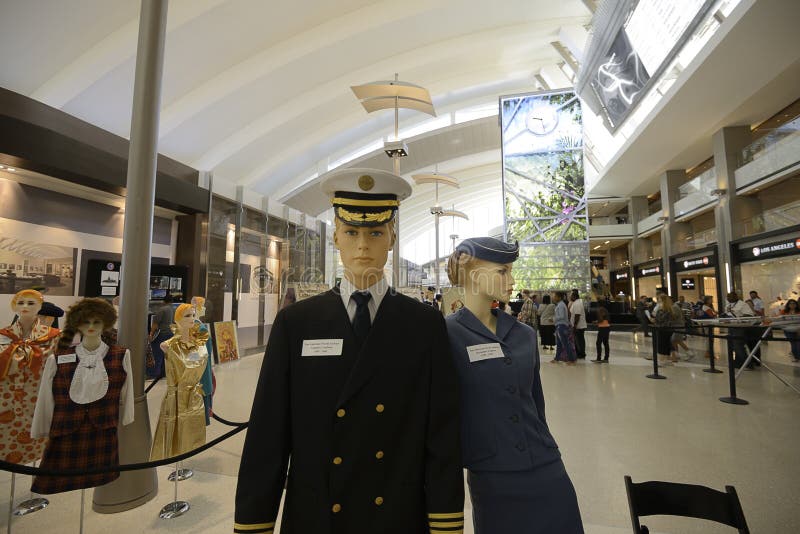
{"x":226,"y":342}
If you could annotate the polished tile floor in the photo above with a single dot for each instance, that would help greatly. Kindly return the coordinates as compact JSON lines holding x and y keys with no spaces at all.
{"x":609,"y":420}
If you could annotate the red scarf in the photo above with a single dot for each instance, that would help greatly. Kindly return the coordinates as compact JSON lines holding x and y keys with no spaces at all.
{"x":28,"y":352}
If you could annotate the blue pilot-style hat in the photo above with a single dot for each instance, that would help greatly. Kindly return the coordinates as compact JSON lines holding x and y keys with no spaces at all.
{"x":489,"y":249}
{"x":365,"y":197}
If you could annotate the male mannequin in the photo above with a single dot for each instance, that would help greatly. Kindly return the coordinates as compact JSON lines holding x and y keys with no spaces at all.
{"x":360,"y":391}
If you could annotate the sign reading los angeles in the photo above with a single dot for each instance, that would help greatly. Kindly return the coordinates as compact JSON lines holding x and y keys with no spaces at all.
{"x":774,"y":249}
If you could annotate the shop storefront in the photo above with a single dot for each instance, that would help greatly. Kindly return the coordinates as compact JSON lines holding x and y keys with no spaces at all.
{"x":647,"y":278}
{"x":696,"y":275}
{"x":769,"y":265}
{"x":621,"y":283}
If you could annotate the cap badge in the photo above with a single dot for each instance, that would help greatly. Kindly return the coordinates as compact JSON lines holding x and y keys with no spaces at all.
{"x":366,"y":182}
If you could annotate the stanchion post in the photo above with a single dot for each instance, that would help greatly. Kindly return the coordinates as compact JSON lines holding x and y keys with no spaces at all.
{"x":732,"y":399}
{"x":711,"y":363}
{"x":656,"y":335}
{"x":83,"y":501}
{"x":176,"y":508}
{"x":11,"y":502}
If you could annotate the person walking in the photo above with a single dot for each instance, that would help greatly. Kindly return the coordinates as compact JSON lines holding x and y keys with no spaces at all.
{"x":641,"y":315}
{"x":528,"y":314}
{"x":565,"y":349}
{"x":792,"y":332}
{"x":547,"y":328}
{"x":603,"y":334}
{"x":578,"y":320}
{"x":160,"y":331}
{"x":667,"y":316}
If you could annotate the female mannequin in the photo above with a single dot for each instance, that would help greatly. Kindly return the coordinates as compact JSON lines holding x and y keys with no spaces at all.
{"x":517,"y":480}
{"x":86,"y":391}
{"x":24,"y":347}
{"x":181,"y":423}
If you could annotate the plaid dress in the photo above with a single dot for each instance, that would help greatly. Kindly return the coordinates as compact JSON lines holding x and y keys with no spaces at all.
{"x":83,"y":436}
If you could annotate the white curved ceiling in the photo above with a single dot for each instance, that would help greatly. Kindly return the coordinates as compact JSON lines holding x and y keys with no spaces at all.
{"x":259,"y":92}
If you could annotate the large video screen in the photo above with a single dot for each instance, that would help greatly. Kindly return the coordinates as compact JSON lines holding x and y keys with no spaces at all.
{"x":543,"y":189}
{"x":651,"y":36}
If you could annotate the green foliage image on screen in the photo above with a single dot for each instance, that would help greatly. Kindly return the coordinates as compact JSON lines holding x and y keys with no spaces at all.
{"x":544,"y":194}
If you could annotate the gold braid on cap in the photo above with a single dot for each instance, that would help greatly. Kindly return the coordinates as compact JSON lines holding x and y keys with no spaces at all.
{"x":349,"y":216}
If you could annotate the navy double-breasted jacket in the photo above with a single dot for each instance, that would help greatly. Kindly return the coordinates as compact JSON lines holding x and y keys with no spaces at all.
{"x":371,"y":435}
{"x":502,"y":404}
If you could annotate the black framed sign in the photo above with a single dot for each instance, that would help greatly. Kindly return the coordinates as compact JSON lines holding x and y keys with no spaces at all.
{"x":772,"y":249}
{"x":620,"y":276}
{"x":699,"y":262}
{"x":653,"y":269}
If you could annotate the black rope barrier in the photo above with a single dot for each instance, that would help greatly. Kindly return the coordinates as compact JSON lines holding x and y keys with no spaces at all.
{"x":225,"y":421}
{"x":152,"y":384}
{"x":38,"y":471}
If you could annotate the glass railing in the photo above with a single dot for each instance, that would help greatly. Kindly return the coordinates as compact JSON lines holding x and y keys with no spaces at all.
{"x":773,"y":219}
{"x":697,"y":240}
{"x":758,"y":148}
{"x":614,"y":219}
{"x":704,"y":183}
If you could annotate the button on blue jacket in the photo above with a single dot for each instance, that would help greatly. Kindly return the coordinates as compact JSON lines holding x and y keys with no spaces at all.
{"x":503,"y":424}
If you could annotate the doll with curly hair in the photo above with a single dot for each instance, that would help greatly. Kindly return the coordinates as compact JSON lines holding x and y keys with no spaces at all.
{"x":85,"y":392}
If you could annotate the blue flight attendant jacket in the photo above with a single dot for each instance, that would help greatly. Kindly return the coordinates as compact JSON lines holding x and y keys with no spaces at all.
{"x":503,"y":425}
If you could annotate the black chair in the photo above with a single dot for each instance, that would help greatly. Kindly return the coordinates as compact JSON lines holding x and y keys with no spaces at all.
{"x":685,"y":500}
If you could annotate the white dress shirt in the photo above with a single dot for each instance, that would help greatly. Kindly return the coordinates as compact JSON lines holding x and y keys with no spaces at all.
{"x":377,"y":290}
{"x":740,"y":309}
{"x":89,"y":384}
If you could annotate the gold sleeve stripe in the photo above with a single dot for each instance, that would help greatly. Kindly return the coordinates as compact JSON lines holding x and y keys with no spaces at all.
{"x":455,"y":515}
{"x":255,"y":528}
{"x":365,"y":203}
{"x":459,"y":531}
{"x":450,"y":524}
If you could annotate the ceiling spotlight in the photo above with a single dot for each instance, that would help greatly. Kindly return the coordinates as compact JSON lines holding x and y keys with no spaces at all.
{"x":395,"y":149}
{"x":607,"y":242}
{"x":11,"y":169}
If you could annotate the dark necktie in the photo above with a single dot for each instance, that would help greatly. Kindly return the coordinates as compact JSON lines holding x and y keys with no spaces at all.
{"x":361,"y":321}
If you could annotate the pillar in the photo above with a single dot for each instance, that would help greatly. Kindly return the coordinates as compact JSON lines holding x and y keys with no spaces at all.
{"x":731,"y":209}
{"x":134,"y":488}
{"x":673,"y":234}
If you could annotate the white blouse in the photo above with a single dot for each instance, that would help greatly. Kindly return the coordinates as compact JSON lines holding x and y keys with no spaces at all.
{"x":89,"y":383}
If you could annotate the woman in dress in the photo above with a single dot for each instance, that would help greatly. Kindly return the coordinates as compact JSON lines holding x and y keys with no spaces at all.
{"x":547,"y":327}
{"x":517,"y":481}
{"x":565,"y":344}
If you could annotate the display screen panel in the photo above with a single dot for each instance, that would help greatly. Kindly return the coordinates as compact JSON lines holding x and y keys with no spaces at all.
{"x":543,"y":189}
{"x":648,"y":40}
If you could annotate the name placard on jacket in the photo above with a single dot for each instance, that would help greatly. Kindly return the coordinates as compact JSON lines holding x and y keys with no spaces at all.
{"x":322,"y":347}
{"x":485,"y":351}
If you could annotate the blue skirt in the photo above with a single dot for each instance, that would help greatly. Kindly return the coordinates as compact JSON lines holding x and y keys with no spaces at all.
{"x":539,"y":501}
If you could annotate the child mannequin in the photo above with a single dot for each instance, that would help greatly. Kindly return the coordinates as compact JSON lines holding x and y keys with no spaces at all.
{"x":86,"y":391}
{"x":505,"y":439}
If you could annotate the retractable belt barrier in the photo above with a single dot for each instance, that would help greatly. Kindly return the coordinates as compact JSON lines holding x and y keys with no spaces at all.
{"x":737,"y":339}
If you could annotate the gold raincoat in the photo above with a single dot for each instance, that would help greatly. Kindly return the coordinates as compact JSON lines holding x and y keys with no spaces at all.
{"x":181,"y":423}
